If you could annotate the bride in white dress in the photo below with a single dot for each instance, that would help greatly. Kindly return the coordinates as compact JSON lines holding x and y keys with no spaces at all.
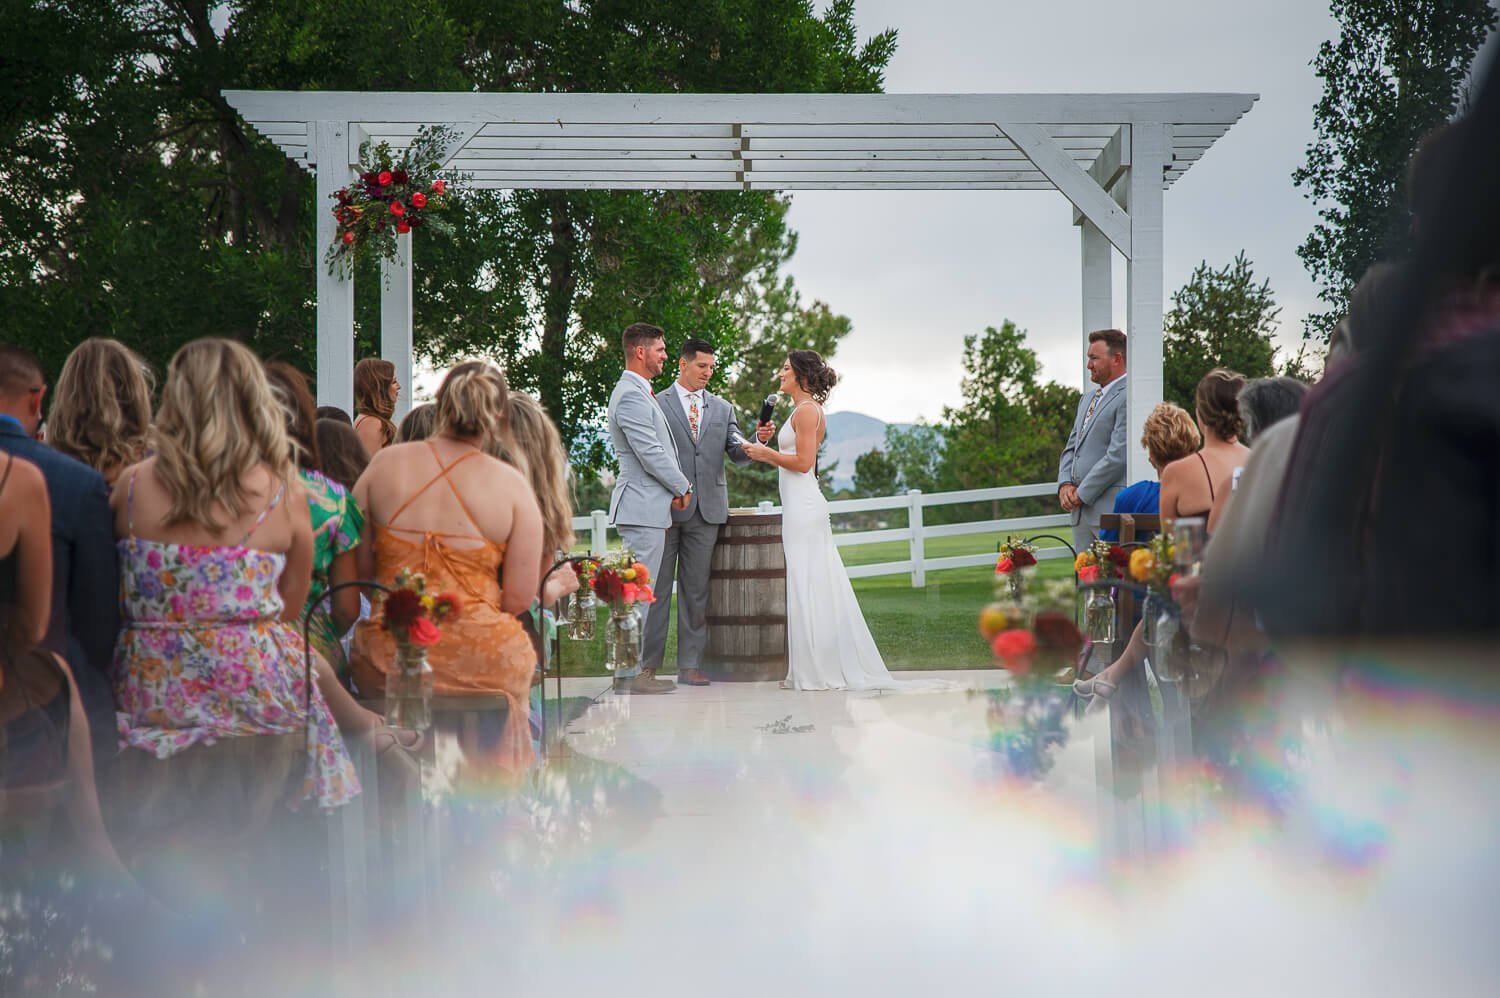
{"x":829,"y":646}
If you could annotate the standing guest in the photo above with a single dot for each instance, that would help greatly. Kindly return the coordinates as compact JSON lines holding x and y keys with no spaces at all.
{"x":336,"y":414}
{"x":467,"y":521}
{"x":419,"y":424}
{"x":704,"y":431}
{"x":1190,"y":486}
{"x":216,"y":553}
{"x":1092,"y":469}
{"x":336,"y":524}
{"x":340,"y":452}
{"x":375,"y":392}
{"x":101,"y":412}
{"x":85,"y":582}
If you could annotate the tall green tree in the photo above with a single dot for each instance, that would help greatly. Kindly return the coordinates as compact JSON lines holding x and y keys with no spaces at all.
{"x":875,"y":474}
{"x":1010,"y":426}
{"x":1395,"y":72}
{"x":917,"y":453}
{"x":142,"y":207}
{"x":1219,"y":318}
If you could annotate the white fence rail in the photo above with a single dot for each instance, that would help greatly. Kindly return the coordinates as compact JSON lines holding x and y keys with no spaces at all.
{"x":915,"y":533}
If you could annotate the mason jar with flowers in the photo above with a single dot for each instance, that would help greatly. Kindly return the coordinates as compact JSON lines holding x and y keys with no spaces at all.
{"x":411,"y":615}
{"x":1017,"y":562}
{"x":622,"y":583}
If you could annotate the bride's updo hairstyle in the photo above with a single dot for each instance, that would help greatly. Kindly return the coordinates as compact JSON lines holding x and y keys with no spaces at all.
{"x":471,"y":402}
{"x":816,"y":377}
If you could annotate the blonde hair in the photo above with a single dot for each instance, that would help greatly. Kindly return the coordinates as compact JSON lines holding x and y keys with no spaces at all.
{"x":372,"y":393}
{"x":102,"y":412}
{"x":537,"y":439}
{"x":218,"y":419}
{"x":471,"y":402}
{"x":1169,"y":434}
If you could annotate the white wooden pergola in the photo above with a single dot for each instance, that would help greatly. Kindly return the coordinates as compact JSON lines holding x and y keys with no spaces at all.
{"x":1111,"y":155}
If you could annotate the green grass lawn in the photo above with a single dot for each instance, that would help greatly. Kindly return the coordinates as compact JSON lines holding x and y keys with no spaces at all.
{"x":930,"y":628}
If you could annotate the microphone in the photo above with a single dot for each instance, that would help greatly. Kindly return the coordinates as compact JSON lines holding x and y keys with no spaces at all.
{"x":768,"y":407}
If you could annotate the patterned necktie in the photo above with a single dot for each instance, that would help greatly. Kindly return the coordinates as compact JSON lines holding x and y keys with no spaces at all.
{"x":693,"y":414}
{"x":1092,"y":403}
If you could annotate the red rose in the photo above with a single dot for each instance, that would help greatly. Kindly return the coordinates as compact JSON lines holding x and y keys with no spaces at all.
{"x":1022,"y":558}
{"x":1005,"y":567}
{"x":1088,"y":573}
{"x":419,"y":200}
{"x":368,"y":177}
{"x":398,"y":209}
{"x":439,"y":186}
{"x":629,"y":591}
{"x":402,"y":228}
{"x":1014,"y":648}
{"x":644,"y":594}
{"x":423,"y":632}
{"x":399,"y":176}
{"x":384,"y":177}
{"x":449,"y":606}
{"x":349,"y":238}
{"x":1119,"y":556}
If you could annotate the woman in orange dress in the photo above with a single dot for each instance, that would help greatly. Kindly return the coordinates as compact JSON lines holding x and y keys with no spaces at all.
{"x":468,"y":522}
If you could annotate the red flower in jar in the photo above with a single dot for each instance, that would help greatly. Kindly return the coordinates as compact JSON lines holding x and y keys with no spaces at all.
{"x":423,"y":632}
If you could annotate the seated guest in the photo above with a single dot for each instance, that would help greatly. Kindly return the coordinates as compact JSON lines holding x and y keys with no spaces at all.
{"x":101,"y":411}
{"x":419,"y":424}
{"x":85,"y":583}
{"x":336,"y":414}
{"x":1263,"y":403}
{"x":537,"y":440}
{"x":1190,"y":484}
{"x":469,"y":523}
{"x":336,"y":525}
{"x":216,"y":552}
{"x":43,"y":730}
{"x":340,"y":452}
{"x":1169,"y":435}
{"x":375,"y":392}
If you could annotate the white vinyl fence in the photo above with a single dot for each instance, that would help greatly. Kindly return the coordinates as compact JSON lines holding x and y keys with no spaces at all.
{"x":915,"y":534}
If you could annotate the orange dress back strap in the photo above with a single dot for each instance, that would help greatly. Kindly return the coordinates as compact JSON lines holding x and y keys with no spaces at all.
{"x":442,"y":475}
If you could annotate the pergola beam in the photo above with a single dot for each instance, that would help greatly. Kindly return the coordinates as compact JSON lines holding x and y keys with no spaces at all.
{"x":1080,"y":188}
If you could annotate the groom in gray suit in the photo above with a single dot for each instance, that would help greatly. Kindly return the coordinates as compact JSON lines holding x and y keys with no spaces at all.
{"x":1092,"y":470}
{"x":651,"y":485}
{"x":704,"y":430}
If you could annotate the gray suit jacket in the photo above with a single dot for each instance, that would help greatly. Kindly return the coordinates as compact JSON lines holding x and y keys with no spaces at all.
{"x":649,"y":477}
{"x":703,"y":461}
{"x":1094,"y":459}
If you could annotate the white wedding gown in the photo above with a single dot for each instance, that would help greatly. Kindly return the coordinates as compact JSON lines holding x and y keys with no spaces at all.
{"x":828,"y":644}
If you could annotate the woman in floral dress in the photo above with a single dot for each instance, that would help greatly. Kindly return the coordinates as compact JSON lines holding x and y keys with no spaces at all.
{"x":215,"y":564}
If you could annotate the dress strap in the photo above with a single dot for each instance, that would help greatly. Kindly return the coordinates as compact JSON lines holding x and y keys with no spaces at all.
{"x":10,"y":460}
{"x":811,"y":403}
{"x":130,"y":506}
{"x":442,"y":475}
{"x":1207,"y":476}
{"x":275,"y":500}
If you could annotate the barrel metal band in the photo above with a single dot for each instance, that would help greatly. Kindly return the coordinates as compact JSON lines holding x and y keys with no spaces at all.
{"x":750,"y":539}
{"x":747,"y":573}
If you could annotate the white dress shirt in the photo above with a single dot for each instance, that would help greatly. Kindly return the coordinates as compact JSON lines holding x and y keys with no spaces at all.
{"x":687,"y":398}
{"x":1104,"y":391}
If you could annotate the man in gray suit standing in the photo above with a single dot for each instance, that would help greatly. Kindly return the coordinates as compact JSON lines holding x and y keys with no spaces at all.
{"x":1092,"y":470}
{"x":704,"y":430}
{"x":650,"y":485}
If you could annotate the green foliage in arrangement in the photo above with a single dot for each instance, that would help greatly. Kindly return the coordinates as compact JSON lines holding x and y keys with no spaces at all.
{"x":1396,"y":71}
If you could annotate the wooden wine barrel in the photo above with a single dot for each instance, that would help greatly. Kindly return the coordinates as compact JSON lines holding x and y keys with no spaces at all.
{"x":747,"y":601}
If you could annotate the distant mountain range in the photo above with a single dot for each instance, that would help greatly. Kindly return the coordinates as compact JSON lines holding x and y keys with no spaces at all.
{"x":851,"y":434}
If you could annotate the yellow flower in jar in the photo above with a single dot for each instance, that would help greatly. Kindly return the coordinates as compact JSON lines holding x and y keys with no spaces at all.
{"x":1084,"y":560}
{"x":1142,"y":564}
{"x":428,"y":602}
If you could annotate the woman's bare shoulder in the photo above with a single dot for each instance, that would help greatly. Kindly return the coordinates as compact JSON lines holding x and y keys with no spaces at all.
{"x":25,"y":484}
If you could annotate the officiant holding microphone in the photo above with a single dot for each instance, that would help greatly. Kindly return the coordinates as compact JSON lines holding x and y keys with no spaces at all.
{"x":704,"y":430}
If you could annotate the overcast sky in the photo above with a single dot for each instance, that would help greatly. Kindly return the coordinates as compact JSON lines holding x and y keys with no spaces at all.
{"x":919,"y":270}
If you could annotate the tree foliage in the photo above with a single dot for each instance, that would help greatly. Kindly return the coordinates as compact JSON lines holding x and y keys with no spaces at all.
{"x":140,"y":206}
{"x":1219,"y":318}
{"x":1011,"y":426}
{"x":1394,"y":73}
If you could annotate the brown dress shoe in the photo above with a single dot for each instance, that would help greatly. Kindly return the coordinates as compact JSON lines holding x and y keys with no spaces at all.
{"x":643,"y":684}
{"x":692,"y":677}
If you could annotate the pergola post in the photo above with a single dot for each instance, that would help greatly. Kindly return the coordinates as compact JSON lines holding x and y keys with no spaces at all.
{"x":1150,"y":152}
{"x":329,"y":151}
{"x":1098,"y":282}
{"x":396,"y":318}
